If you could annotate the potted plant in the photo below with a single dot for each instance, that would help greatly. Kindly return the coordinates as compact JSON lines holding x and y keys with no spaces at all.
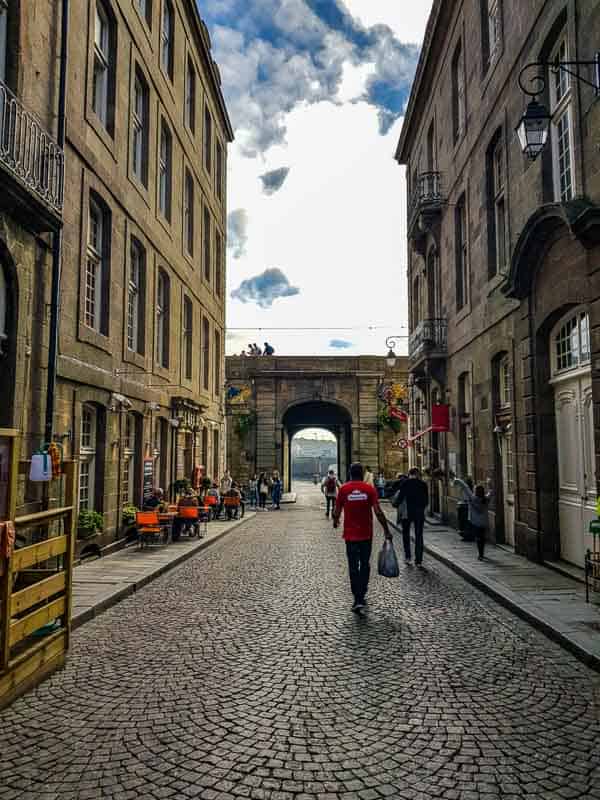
{"x":89,"y":523}
{"x":128,"y":521}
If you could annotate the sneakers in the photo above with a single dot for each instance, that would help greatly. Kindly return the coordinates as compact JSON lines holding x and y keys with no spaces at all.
{"x":358,"y":605}
{"x":408,"y":562}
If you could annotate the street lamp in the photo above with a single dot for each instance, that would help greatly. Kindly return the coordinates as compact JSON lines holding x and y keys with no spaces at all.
{"x":391,"y":357}
{"x":534,"y":125}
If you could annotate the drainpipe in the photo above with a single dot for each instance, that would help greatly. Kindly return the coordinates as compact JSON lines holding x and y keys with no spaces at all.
{"x":57,"y":237}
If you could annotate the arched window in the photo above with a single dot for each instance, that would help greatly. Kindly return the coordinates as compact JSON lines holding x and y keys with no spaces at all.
{"x":3,"y":311}
{"x":571,"y":342}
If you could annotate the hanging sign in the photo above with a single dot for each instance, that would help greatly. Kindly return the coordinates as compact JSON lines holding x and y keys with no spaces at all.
{"x":402,"y":444}
{"x":440,"y":418}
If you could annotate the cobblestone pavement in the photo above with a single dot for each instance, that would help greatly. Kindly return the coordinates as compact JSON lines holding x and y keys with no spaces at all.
{"x":244,"y":673}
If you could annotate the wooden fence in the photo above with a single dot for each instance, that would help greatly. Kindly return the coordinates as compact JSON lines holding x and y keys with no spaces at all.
{"x":35,"y":585}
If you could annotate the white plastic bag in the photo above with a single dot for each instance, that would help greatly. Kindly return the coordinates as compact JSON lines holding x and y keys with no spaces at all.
{"x":387,"y":563}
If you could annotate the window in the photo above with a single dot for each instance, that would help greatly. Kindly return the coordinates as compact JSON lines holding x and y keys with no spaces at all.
{"x":465,"y":430}
{"x":161,"y":433}
{"x":87,"y":458}
{"x":462,"y":276}
{"x":491,"y":30}
{"x":162,"y":319}
{"x":140,"y":125}
{"x":562,"y":125}
{"x":207,"y":140}
{"x":458,"y":93}
{"x":129,"y":457}
{"x":207,"y":238}
{"x":496,"y":206}
{"x":188,"y":212}
{"x":167,"y":38}
{"x":216,"y":453}
{"x":104,"y":67}
{"x":219,"y":172}
{"x":416,"y":302}
{"x":97,"y":267}
{"x":135,"y":297}
{"x":504,"y":383}
{"x":205,"y":354}
{"x":190,"y":96}
{"x":3,"y":311}
{"x":218,"y":264}
{"x":188,"y":334}
{"x":205,"y":448}
{"x":217,"y":363}
{"x":165,"y":168}
{"x":572,"y":343}
{"x":3,"y":38}
{"x":145,"y":9}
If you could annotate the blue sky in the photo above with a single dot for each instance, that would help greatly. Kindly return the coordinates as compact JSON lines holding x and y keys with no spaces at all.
{"x":316,"y":90}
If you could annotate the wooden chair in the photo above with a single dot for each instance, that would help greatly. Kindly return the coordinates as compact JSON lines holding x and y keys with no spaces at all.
{"x":148,"y":527}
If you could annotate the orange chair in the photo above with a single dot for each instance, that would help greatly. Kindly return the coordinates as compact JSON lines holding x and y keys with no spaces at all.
{"x":148,"y":526}
{"x":190,"y":516}
{"x":232,"y":506}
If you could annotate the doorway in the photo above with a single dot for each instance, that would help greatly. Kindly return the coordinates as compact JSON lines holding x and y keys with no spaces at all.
{"x":573,"y":412}
{"x":313,"y":452}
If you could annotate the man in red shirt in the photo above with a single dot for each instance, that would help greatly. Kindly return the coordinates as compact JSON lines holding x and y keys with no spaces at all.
{"x":358,"y":500}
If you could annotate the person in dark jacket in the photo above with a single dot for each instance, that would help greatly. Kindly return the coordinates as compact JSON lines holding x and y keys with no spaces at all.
{"x":415,"y":493}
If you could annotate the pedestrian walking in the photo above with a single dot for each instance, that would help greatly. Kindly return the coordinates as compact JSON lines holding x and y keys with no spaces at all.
{"x":369,"y":478}
{"x":253,"y":491}
{"x":415,"y":494}
{"x":478,"y":500}
{"x":276,"y":491}
{"x":263,"y":490}
{"x":380,"y":484}
{"x":268,"y":350}
{"x":329,"y":487}
{"x":358,"y":501}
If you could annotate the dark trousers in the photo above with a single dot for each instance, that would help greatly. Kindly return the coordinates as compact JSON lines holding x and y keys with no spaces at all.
{"x":262,"y":499}
{"x":479,"y":534}
{"x":359,"y":567}
{"x":330,"y":504}
{"x":419,"y":525}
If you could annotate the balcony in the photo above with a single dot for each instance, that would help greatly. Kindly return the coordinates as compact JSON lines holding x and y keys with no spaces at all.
{"x":429,"y":340}
{"x":425,"y":205}
{"x":34,"y":163}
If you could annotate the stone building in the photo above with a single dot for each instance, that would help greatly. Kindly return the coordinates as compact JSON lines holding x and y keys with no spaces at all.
{"x":140,"y":366}
{"x":503,"y":264}
{"x":271,"y":399}
{"x":31,"y":215}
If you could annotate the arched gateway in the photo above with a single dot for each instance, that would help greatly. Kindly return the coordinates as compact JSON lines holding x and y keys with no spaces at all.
{"x":270,"y":399}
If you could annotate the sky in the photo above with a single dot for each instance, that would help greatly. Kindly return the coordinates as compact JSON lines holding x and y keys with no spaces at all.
{"x":316,"y":89}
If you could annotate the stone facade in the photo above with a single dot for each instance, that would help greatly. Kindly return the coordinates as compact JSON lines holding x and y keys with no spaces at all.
{"x":141,"y":342}
{"x":272,"y":398}
{"x":502,"y":250}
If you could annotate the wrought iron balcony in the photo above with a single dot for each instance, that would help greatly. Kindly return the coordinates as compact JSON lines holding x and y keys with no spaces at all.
{"x":426,"y":202}
{"x":29,"y":153}
{"x":429,"y":339}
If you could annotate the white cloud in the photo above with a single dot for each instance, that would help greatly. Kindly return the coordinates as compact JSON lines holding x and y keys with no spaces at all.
{"x":407,"y":18}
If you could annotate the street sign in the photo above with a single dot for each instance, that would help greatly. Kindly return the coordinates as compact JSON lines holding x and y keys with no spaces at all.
{"x":402,"y":444}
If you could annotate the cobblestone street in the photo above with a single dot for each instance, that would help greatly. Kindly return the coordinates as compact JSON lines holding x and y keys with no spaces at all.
{"x":243,"y":673}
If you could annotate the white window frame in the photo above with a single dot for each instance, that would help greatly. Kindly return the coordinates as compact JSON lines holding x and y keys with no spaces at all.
{"x":561,"y":109}
{"x":504,"y":383}
{"x":499,"y":189}
{"x":102,"y":63}
{"x":134,"y":295}
{"x":165,"y":168}
{"x":162,"y":315}
{"x":140,"y":129}
{"x":167,"y":38}
{"x":128,"y":464}
{"x":190,"y":95}
{"x":574,"y":327}
{"x":188,"y":212}
{"x":494,"y":22}
{"x":95,"y":266}
{"x":87,"y":457}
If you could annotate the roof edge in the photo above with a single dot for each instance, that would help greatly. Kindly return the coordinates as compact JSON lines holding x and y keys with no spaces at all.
{"x":430,"y":30}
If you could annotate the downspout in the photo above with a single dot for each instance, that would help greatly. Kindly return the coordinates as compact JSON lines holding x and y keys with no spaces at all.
{"x":58,"y":236}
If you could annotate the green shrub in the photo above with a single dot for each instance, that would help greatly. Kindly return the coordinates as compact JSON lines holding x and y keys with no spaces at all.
{"x":128,"y":515}
{"x":89,"y":523}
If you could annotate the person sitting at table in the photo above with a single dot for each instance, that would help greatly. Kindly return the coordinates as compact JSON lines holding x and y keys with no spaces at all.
{"x":215,"y":504}
{"x":155,"y":501}
{"x":189,"y":499}
{"x":233,"y":492}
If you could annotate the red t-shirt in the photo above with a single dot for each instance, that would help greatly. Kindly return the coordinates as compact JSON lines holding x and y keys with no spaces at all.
{"x":357,"y":500}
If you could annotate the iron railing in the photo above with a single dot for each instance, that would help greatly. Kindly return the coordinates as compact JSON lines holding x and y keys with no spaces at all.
{"x":29,"y":151}
{"x":430,"y":335}
{"x":427,"y":192}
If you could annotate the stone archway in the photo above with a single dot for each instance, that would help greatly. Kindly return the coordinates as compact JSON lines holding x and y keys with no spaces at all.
{"x":324,"y":414}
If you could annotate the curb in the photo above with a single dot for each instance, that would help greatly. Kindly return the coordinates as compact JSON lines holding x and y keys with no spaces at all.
{"x":132,"y":588}
{"x":580,"y":652}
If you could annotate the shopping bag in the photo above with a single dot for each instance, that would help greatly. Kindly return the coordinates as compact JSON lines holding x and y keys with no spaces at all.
{"x":41,"y":467}
{"x":387,"y":563}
